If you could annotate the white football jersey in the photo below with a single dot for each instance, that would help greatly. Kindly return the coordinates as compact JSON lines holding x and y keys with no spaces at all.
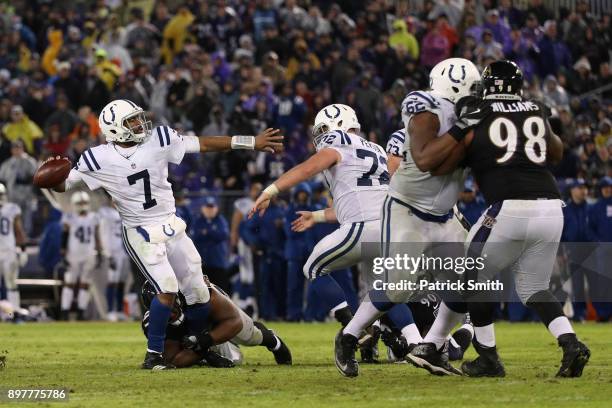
{"x":395,"y":144}
{"x":136,"y":178}
{"x":81,"y":235}
{"x":359,"y":182}
{"x":8,"y":212}
{"x":110,"y":231}
{"x":431,"y":194}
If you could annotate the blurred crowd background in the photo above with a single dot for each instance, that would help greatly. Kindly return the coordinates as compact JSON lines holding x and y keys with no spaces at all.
{"x":217,"y":67}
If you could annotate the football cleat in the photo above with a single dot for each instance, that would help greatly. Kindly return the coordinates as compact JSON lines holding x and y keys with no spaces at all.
{"x":575,"y":356}
{"x":487,"y":364}
{"x":460,"y":342}
{"x":344,"y":354}
{"x":425,"y":355}
{"x":282,"y":354}
{"x":155,"y":361}
{"x":368,"y":346}
{"x":216,"y":360}
{"x":397,"y":345}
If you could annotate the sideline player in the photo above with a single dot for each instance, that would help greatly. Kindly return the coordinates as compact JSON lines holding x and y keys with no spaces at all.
{"x":12,"y":247}
{"x":133,"y":169}
{"x":82,"y":251}
{"x":508,"y":151}
{"x":418,"y":209}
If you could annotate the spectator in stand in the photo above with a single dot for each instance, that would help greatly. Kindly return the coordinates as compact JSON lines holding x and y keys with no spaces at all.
{"x":554,"y":54}
{"x":435,"y":46}
{"x":63,"y":117}
{"x":539,"y":10}
{"x":521,"y":51}
{"x":272,"y":69}
{"x":290,"y":109}
{"x":22,"y":128}
{"x":67,"y":84}
{"x":497,"y":26}
{"x":488,"y":48}
{"x":510,"y":15}
{"x":554,"y":95}
{"x":401,"y":37}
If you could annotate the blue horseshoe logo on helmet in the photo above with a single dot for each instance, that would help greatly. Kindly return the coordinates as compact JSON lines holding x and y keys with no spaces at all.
{"x":450,"y":74}
{"x":171,"y":233}
{"x":332,"y":116}
{"x":112,"y":117}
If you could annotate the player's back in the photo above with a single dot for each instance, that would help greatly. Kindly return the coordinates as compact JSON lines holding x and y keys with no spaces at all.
{"x":81,"y":238}
{"x":508,"y":152}
{"x":427,"y":193}
{"x":359,"y":182}
{"x":8,"y":212}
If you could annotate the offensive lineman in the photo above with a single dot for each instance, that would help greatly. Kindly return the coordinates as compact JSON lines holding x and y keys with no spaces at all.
{"x":418,"y":209}
{"x":133,"y":168}
{"x":82,"y":252}
{"x":508,"y":153}
{"x":12,"y":241}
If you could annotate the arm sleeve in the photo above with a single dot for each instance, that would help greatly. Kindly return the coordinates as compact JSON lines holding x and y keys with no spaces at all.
{"x":395,"y":145}
{"x":172,"y":144}
{"x":417,"y":102}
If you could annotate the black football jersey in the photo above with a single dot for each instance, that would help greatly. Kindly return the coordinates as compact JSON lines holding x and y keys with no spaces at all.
{"x":509,"y":150}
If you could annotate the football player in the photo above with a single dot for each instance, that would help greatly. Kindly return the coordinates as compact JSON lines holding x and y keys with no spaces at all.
{"x":418,"y":209}
{"x":12,"y":247}
{"x":508,"y":149}
{"x":82,"y":251}
{"x":225,"y":326}
{"x":118,"y":262}
{"x":356,"y":172}
{"x":133,"y":168}
{"x":395,"y":149}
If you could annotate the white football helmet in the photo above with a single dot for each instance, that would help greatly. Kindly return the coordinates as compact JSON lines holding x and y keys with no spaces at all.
{"x":124,"y":121}
{"x":454,"y":78}
{"x":334,"y":117}
{"x":80,"y":201}
{"x":3,"y":197}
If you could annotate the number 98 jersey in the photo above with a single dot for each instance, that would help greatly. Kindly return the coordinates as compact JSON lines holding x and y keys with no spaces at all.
{"x":359,"y":182}
{"x":136,"y":178}
{"x":508,"y":152}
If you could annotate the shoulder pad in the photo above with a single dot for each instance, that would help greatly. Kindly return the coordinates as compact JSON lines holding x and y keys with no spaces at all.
{"x":419,"y":101}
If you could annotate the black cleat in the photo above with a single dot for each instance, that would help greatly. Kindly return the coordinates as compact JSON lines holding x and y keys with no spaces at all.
{"x":460,"y":342}
{"x":487,"y":364}
{"x":368,"y":346}
{"x":155,"y":361}
{"x":282,"y":354}
{"x":575,"y":356}
{"x":397,"y":345}
{"x":425,"y":355}
{"x":344,"y":354}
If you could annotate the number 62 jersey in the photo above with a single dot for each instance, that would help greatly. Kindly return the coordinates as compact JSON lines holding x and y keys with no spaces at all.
{"x":359,"y":182}
{"x":136,"y":178}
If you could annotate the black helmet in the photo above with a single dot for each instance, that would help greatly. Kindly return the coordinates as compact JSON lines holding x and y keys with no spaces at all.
{"x":148,"y":292}
{"x":502,"y":77}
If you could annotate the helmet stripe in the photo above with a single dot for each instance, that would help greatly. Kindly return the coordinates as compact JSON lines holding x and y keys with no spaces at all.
{"x":132,"y":104}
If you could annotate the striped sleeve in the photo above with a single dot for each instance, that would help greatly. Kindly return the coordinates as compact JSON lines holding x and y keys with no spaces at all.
{"x":170,"y":142}
{"x":395,"y":145}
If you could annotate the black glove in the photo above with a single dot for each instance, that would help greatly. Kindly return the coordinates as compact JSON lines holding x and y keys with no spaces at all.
{"x":218,"y":361}
{"x":470,"y":111}
{"x":199,"y":343}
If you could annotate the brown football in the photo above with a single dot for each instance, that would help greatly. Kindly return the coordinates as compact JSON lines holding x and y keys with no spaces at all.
{"x":52,"y":173}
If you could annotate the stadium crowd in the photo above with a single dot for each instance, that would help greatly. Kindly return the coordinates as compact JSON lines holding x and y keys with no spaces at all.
{"x":237,"y":67}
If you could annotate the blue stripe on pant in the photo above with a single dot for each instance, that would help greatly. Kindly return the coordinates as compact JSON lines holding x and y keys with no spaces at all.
{"x":336,"y":252}
{"x":137,"y":260}
{"x":480,"y":238}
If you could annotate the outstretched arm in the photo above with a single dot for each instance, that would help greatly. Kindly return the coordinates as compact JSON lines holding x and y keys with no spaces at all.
{"x":307,"y":219}
{"x":323,"y":159}
{"x":270,"y":140}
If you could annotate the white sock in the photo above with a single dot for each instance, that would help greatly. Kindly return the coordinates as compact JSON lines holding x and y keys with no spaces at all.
{"x":485,"y":335}
{"x":14,"y":299}
{"x":67,"y":295}
{"x":411,"y":334}
{"x":83,"y":299}
{"x":442,"y":326}
{"x":560,"y":325}
{"x":338,"y":307}
{"x":366,"y":315}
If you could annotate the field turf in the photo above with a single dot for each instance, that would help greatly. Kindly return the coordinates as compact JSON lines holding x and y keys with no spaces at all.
{"x":99,"y":363}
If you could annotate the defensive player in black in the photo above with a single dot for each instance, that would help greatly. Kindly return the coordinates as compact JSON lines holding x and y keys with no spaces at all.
{"x":507,"y":142}
{"x":227,"y":323}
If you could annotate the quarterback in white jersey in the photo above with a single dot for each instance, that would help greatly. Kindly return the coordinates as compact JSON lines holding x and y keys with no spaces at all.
{"x":81,"y":248}
{"x":12,"y":239}
{"x":418,"y":209}
{"x":111,"y":233}
{"x":133,"y":168}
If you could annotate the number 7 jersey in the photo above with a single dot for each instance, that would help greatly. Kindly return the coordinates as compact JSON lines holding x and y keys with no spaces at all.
{"x":136,"y":178}
{"x":359,"y":182}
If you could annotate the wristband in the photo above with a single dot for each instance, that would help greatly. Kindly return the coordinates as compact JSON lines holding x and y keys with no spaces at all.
{"x":272,"y":190}
{"x":318,"y":216}
{"x":458,"y":133}
{"x":243,"y":142}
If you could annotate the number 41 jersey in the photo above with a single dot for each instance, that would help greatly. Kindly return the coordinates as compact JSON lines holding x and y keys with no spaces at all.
{"x":136,"y":178}
{"x":509,"y":150}
{"x":359,"y":182}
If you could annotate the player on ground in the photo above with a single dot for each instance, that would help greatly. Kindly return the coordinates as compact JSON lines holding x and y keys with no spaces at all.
{"x":118,"y":261}
{"x":356,"y":172}
{"x":508,"y":152}
{"x":82,"y":251}
{"x":12,"y":241}
{"x":225,"y":326}
{"x":133,"y":168}
{"x":418,"y":209}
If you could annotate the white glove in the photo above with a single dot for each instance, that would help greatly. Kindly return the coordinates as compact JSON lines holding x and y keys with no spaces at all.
{"x":22,"y":257}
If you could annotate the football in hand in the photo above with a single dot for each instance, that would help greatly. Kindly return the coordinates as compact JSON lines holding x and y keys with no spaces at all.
{"x":52,"y":172}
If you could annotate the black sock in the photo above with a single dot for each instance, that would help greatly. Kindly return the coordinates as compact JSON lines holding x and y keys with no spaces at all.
{"x":546,"y":306}
{"x":343,"y":315}
{"x":481,"y":313}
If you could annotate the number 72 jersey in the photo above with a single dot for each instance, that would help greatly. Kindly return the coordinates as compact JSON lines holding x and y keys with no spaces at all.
{"x":136,"y":178}
{"x":359,"y":182}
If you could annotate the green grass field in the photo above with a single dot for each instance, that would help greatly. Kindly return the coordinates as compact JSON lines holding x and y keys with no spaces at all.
{"x":99,"y":363}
